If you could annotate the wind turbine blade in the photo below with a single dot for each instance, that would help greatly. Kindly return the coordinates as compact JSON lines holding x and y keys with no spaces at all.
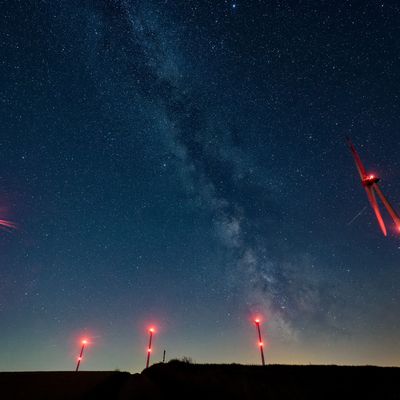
{"x":7,"y":224}
{"x":357,"y":159}
{"x":388,"y":206}
{"x":375,"y":207}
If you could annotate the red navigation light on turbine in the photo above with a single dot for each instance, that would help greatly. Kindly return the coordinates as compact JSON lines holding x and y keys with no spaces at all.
{"x":84,"y":342}
{"x":151,"y":332}
{"x":260,"y":342}
{"x":369,"y":180}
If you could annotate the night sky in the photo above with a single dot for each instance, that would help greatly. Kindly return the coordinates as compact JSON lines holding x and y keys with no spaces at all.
{"x":184,"y":164}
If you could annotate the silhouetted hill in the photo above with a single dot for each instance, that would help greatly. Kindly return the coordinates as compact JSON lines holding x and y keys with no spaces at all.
{"x":275,"y":381}
{"x":178,"y":380}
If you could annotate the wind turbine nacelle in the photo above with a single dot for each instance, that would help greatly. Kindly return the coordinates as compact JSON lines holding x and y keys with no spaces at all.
{"x":369,"y":180}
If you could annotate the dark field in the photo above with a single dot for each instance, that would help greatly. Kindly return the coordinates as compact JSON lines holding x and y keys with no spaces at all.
{"x":184,"y":380}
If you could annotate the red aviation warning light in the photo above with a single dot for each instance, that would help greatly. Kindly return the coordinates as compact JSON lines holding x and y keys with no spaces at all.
{"x":151,"y":331}
{"x":84,"y":342}
{"x":370,"y":183}
{"x":260,"y":342}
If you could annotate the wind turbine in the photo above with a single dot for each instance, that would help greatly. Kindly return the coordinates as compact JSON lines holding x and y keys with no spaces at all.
{"x":370,"y":183}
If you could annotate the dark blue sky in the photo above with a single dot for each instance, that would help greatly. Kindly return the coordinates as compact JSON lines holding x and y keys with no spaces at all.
{"x":183,"y":163}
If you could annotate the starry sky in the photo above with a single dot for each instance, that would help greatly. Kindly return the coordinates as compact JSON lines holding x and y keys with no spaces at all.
{"x":183,"y":164}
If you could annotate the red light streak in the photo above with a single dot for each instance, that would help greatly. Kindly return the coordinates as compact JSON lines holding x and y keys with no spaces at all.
{"x":7,"y":224}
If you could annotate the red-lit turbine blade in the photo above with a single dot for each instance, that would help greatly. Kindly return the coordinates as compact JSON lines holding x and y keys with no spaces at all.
{"x":389,"y":208}
{"x":7,"y":224}
{"x":374,"y":205}
{"x":357,"y":159}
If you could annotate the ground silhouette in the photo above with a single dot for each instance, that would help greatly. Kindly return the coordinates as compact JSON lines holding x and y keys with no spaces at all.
{"x":176,"y":380}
